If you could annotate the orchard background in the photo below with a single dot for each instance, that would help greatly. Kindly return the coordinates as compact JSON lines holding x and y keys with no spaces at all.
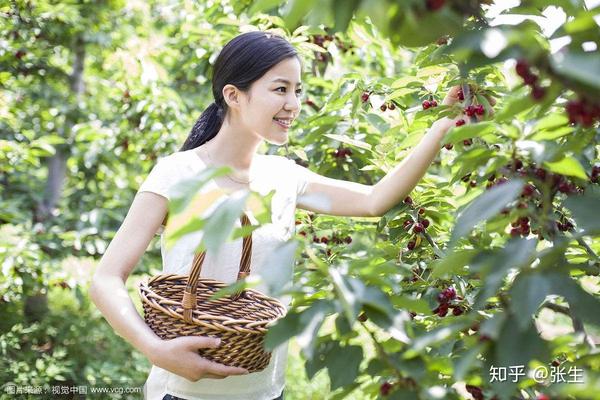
{"x":492,"y":262}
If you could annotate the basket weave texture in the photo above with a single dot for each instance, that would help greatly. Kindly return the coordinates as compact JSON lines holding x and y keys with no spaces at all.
{"x":178,"y":305}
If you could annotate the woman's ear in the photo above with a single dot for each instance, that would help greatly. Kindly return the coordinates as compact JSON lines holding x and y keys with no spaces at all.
{"x":232,"y":96}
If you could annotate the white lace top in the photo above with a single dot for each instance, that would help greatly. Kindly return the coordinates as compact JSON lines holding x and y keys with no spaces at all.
{"x":268,"y":172}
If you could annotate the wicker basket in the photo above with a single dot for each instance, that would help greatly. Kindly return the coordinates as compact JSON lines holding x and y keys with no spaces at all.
{"x":177,"y":305}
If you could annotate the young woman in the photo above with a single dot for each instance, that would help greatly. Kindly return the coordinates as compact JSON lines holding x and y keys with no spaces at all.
{"x":256,"y":86}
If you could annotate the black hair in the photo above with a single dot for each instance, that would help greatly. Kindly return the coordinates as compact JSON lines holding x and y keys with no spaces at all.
{"x":243,"y":60}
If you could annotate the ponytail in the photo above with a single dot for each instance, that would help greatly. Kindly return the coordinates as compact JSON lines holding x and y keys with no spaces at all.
{"x":205,"y":128}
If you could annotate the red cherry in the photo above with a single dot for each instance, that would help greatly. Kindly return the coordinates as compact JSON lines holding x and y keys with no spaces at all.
{"x":408,"y":200}
{"x":324,"y":239}
{"x":448,"y":146}
{"x":426,"y":104}
{"x":467,"y":142}
{"x":364,"y":97}
{"x":530,"y":79}
{"x":522,"y":68}
{"x":479,"y":110}
{"x":425,"y":223}
{"x":433,"y":5}
{"x":475,"y":391}
{"x":383,"y":107}
{"x":460,"y":122}
{"x":457,"y":310}
{"x":418,"y":228}
{"x":392,"y":106}
{"x":348,"y":240}
{"x":538,"y":93}
{"x":385,"y":388}
{"x":316,"y":239}
{"x":407,"y":224}
{"x":411,"y":245}
{"x":470,"y":111}
{"x":528,"y":190}
{"x":421,"y":211}
{"x":461,"y":95}
{"x":543,"y":396}
{"x":442,"y":310}
{"x":434,"y":103}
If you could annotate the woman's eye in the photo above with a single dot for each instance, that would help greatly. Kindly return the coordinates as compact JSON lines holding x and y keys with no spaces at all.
{"x":299,"y":92}
{"x":281,"y":88}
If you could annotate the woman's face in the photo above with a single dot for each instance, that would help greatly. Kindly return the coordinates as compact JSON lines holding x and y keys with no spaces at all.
{"x":273,"y":102}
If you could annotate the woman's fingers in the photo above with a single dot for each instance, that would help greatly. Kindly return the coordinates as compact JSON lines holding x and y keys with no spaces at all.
{"x":211,"y":367}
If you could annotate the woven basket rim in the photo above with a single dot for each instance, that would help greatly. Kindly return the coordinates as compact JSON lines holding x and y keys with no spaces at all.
{"x":144,"y":285}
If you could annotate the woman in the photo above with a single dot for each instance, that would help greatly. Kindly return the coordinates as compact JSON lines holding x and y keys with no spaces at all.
{"x":256,"y":87}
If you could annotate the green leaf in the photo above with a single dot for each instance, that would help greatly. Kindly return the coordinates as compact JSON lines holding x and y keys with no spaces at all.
{"x":568,"y":165}
{"x":490,"y":203}
{"x":584,"y":210}
{"x":513,"y":107}
{"x":581,"y":66}
{"x":527,"y":294}
{"x":452,"y":263}
{"x":460,"y":133}
{"x":343,"y":364}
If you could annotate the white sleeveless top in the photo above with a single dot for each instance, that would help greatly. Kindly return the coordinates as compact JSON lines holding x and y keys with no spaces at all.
{"x":268,"y":172}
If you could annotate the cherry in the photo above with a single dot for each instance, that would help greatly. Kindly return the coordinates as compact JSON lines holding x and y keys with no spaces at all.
{"x":433,"y":5}
{"x":461,"y":95}
{"x":385,"y":388}
{"x":408,"y":200}
{"x":407,"y":224}
{"x":302,"y":233}
{"x":448,"y":146}
{"x":418,"y":228}
{"x":470,"y":111}
{"x":316,"y":239}
{"x":324,"y":239}
{"x":392,"y":106}
{"x":479,"y":110}
{"x":528,"y":190}
{"x":442,"y":310}
{"x":364,"y":97}
{"x":543,"y":396}
{"x":475,"y":392}
{"x":460,"y":122}
{"x":530,"y":79}
{"x":383,"y":107}
{"x":467,"y":142}
{"x":362,"y":317}
{"x":426,"y":104}
{"x":421,"y":211}
{"x":433,"y":103}
{"x":473,"y":184}
{"x":522,"y":68}
{"x":425,"y":223}
{"x":411,"y":245}
{"x":538,"y":93}
{"x":457,"y":310}
{"x":348,"y":240}
{"x":540,"y":173}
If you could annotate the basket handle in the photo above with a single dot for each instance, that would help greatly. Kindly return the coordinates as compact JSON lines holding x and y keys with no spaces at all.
{"x":189,"y":294}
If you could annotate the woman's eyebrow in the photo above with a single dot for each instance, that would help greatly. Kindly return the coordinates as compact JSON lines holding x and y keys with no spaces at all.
{"x":286,"y":81}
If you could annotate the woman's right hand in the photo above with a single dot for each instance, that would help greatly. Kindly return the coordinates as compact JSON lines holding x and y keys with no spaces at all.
{"x":180,"y":356}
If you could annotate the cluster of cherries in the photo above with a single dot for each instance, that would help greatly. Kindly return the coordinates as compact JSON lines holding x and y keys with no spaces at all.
{"x":444,"y":299}
{"x":524,"y":71}
{"x":583,"y":112}
{"x":429,"y":104}
{"x":418,"y":226}
{"x":364,"y":97}
{"x":342,"y":152}
{"x":321,"y":39}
